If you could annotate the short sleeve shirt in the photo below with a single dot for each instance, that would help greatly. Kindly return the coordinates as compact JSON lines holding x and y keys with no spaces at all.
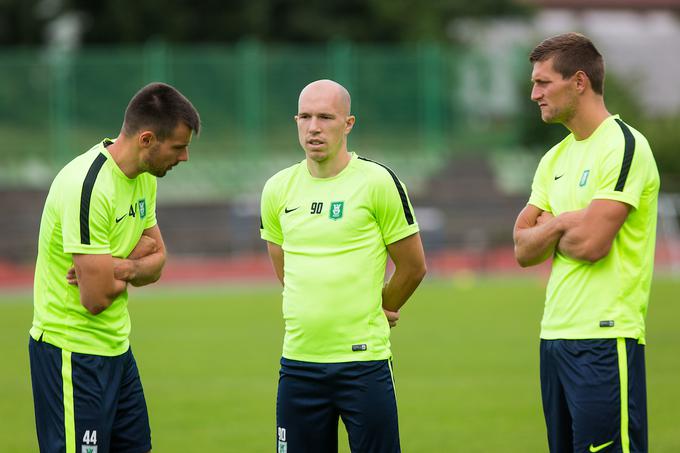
{"x":334,"y":233}
{"x":608,"y":298}
{"x":92,"y":208}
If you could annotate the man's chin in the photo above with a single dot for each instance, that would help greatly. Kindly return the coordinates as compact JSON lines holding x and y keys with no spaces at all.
{"x":548,"y":119}
{"x":316,"y":155}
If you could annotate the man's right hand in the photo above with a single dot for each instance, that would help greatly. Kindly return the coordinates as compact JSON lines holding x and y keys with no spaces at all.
{"x":145,"y":247}
{"x":392,"y":317}
{"x":545,"y":217}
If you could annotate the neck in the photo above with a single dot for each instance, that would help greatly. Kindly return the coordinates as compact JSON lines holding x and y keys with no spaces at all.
{"x":329,"y":167}
{"x":590,"y":114}
{"x":125,"y":155}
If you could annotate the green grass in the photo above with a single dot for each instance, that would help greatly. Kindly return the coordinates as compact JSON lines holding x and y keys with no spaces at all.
{"x":466,"y":368}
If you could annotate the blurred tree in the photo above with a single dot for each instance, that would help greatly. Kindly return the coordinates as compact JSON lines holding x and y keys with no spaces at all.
{"x":176,"y":21}
{"x":664,"y":138}
{"x":20,"y":23}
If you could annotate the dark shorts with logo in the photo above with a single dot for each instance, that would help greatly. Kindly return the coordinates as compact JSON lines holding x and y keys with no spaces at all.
{"x":594,"y":395}
{"x":87,"y":403}
{"x":312,"y":397}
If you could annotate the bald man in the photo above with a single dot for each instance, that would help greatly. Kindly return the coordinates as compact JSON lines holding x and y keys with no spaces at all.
{"x":330,"y":221}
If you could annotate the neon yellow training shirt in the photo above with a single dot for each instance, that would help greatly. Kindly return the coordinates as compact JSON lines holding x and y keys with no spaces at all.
{"x":334,"y":233}
{"x":608,"y":298}
{"x":91,"y":208}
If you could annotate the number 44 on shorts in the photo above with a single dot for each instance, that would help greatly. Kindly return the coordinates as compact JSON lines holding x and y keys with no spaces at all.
{"x":90,"y":437}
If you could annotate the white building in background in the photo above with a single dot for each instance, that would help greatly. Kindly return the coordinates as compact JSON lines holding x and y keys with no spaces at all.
{"x":640,"y":40}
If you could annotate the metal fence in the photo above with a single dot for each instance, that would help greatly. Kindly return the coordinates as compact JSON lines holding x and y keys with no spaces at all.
{"x":414,"y":105}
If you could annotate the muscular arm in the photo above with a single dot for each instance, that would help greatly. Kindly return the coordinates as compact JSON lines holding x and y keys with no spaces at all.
{"x":535,"y":235}
{"x":145,"y":263}
{"x":276,"y":256}
{"x":409,"y":262}
{"x":98,"y":287}
{"x":102,"y":278}
{"x":591,"y":237}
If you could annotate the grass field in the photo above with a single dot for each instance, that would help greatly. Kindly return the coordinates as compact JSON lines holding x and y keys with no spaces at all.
{"x":466,"y":368}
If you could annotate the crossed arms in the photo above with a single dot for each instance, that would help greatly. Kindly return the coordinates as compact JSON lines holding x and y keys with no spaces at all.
{"x":586,"y":234}
{"x":102,"y":278}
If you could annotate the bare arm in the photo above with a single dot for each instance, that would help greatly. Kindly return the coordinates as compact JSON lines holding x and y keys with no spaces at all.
{"x":145,"y":246}
{"x":276,"y":256}
{"x":535,"y":235}
{"x":409,"y":262}
{"x":98,"y":287}
{"x":591,"y":237}
{"x":141,"y":269}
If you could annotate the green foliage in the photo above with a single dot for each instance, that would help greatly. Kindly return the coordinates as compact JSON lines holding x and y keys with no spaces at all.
{"x":466,"y":367}
{"x":664,"y":138}
{"x":217,"y":21}
{"x":662,"y":132}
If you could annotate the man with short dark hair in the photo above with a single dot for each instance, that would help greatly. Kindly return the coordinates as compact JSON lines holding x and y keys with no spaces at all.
{"x":330,"y":221}
{"x":98,"y":234}
{"x":592,"y":208}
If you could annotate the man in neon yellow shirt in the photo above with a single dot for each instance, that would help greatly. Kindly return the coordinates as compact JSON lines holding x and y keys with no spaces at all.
{"x":593,"y":209}
{"x":330,"y":221}
{"x":98,"y":234}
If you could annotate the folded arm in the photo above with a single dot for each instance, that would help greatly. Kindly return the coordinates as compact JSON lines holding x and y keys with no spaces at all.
{"x":95,"y":277}
{"x":535,"y":235}
{"x":102,"y":278}
{"x":145,"y":263}
{"x":591,"y":238}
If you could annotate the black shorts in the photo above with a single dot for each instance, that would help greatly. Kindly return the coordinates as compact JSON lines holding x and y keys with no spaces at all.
{"x":87,"y":403}
{"x":313,"y":396}
{"x":594,"y":395}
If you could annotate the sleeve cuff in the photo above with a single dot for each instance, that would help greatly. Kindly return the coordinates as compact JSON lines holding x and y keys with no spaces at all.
{"x":270,"y":238}
{"x":617,"y":196}
{"x":411,"y":230}
{"x":539,"y":204}
{"x":87,"y":249}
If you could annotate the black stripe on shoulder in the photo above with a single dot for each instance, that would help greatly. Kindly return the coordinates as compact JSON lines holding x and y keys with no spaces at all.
{"x":85,"y":197}
{"x":402,"y":194}
{"x":628,"y":152}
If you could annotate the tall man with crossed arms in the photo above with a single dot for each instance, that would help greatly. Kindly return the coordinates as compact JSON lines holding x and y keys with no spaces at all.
{"x":593,"y":209}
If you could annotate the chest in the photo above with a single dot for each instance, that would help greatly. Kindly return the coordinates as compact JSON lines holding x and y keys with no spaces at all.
{"x":326,"y":215}
{"x":573,"y":181}
{"x":129,"y":218}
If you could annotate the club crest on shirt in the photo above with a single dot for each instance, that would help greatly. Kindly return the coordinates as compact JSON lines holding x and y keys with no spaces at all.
{"x":142,"y":208}
{"x":584,"y":178}
{"x":336,"y":210}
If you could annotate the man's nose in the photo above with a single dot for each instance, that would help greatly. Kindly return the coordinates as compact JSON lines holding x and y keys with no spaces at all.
{"x":314,"y":124}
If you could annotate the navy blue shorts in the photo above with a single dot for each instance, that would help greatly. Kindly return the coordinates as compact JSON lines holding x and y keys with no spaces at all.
{"x":87,"y":403}
{"x":313,"y":396}
{"x":594,"y":395}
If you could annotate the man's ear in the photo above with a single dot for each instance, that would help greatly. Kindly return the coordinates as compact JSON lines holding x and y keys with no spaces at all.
{"x":146,"y":139}
{"x":349,"y":124}
{"x":582,"y":81}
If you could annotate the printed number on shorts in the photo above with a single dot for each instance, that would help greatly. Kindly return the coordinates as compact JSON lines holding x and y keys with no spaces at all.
{"x":90,"y":437}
